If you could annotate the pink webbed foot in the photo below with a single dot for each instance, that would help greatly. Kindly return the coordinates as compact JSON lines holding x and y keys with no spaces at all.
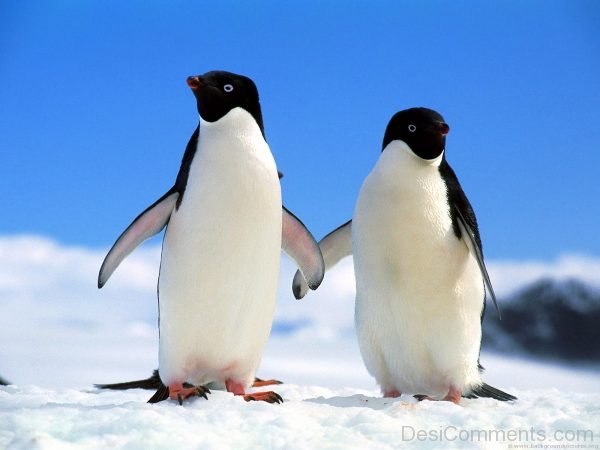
{"x":393,"y":393}
{"x":453,"y":395}
{"x":260,"y":383}
{"x":267,"y":396}
{"x":239,"y":389}
{"x":179,"y":391}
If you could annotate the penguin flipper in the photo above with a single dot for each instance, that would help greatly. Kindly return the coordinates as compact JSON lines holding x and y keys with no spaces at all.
{"x":300,"y":245}
{"x":487,"y":391}
{"x":469,"y":238}
{"x":149,"y":383}
{"x":146,"y":225}
{"x":335,"y":246}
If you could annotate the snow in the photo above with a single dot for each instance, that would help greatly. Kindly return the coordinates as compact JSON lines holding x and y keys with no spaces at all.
{"x":311,"y":417}
{"x":59,"y":335}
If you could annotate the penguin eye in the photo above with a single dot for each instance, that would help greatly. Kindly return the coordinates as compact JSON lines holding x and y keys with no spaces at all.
{"x":228,"y":88}
{"x":412,"y":128}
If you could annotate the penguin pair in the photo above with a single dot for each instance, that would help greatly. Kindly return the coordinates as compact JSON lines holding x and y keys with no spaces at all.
{"x":420,"y":273}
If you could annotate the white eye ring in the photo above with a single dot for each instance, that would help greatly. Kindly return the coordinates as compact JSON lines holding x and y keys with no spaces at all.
{"x":228,"y":88}
{"x":412,"y":128}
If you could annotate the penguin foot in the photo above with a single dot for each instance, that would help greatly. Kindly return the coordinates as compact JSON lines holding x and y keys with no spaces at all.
{"x":267,"y":396}
{"x":239,"y":389}
{"x":453,"y":395}
{"x":394,"y":393}
{"x":180,"y":392}
{"x":260,"y":383}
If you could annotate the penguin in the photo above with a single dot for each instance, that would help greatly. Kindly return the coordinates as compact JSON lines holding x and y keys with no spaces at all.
{"x":421,"y":279}
{"x":154,"y":382}
{"x":225,"y":228}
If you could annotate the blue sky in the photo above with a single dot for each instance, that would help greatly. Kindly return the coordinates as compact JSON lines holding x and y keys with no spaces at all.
{"x":95,"y":112}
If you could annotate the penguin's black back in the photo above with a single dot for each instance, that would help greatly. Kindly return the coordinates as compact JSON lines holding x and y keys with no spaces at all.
{"x":457,"y":199}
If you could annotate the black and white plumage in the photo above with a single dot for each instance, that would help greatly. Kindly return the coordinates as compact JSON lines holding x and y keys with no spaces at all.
{"x":225,"y":228}
{"x":420,"y":274}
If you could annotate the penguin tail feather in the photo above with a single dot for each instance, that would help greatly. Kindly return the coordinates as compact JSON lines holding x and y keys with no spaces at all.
{"x":487,"y":391}
{"x":149,"y":383}
{"x":162,"y":393}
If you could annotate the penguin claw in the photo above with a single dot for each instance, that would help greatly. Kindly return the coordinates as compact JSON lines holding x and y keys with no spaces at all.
{"x":183,"y":391}
{"x":453,"y":396}
{"x":202,"y":391}
{"x":269,"y":397}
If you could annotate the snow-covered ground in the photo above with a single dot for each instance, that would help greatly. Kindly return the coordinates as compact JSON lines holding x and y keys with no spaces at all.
{"x":311,"y":418}
{"x":59,"y":335}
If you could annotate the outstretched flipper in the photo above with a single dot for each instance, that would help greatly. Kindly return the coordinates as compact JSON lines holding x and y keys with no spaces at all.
{"x":335,"y":246}
{"x":146,"y":225}
{"x":469,"y":237}
{"x":300,"y":245}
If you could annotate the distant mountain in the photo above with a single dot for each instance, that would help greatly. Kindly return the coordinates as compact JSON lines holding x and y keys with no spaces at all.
{"x":550,"y":319}
{"x":3,"y":382}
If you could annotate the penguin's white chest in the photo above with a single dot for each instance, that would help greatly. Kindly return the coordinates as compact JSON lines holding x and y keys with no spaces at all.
{"x":419,"y":291}
{"x":220,"y":260}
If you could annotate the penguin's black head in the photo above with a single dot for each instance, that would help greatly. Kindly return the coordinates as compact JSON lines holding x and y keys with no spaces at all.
{"x":422,"y":129}
{"x":218,"y":92}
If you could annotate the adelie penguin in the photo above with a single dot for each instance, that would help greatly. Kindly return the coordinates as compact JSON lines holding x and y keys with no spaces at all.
{"x":420,"y":275}
{"x":225,"y":228}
